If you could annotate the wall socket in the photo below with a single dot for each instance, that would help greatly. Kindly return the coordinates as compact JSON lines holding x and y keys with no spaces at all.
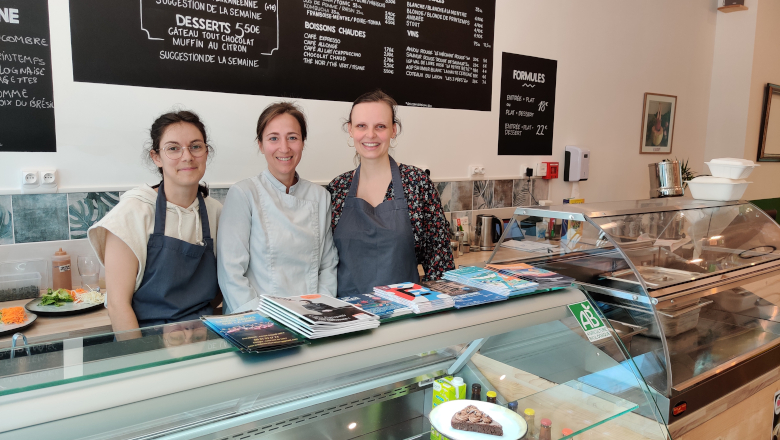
{"x":476,"y":170}
{"x":37,"y":182}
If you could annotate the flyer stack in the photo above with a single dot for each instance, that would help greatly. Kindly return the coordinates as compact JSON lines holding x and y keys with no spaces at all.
{"x":317,"y":316}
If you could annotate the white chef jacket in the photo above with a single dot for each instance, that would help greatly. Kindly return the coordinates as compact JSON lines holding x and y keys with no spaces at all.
{"x":274,"y":243}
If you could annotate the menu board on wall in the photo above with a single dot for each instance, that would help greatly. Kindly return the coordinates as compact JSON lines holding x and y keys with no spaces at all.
{"x":527,"y":105}
{"x":26,"y":91}
{"x":427,"y":53}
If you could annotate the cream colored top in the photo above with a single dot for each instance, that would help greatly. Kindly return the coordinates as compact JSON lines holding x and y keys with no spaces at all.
{"x":132,"y":221}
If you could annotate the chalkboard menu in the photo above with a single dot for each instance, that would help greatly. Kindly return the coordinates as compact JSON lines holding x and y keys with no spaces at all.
{"x":427,"y":53}
{"x":527,"y":105}
{"x":26,"y":91}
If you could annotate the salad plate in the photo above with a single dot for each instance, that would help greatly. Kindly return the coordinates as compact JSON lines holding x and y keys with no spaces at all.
{"x":13,"y":328}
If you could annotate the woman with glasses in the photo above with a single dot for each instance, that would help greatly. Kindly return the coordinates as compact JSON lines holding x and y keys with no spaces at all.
{"x":157,"y":244}
{"x":275,"y":236}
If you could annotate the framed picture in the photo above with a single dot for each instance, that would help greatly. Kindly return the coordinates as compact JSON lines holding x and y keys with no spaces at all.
{"x":657,"y":123}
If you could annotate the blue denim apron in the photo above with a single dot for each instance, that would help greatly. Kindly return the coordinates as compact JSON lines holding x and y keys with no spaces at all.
{"x":375,"y":244}
{"x":180,"y":278}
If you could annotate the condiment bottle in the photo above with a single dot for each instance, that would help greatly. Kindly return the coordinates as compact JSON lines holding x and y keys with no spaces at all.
{"x":545,"y":432}
{"x":529,"y":415}
{"x":491,"y":397}
{"x":60,"y":270}
{"x":512,"y":406}
{"x":476,"y":391}
{"x":567,"y":431}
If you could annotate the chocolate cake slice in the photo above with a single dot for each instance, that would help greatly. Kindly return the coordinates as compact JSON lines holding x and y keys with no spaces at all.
{"x":472,"y":419}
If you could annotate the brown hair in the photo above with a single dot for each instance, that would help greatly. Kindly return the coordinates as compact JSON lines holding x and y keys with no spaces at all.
{"x":161,"y":124}
{"x":277,"y":109}
{"x":376,"y":96}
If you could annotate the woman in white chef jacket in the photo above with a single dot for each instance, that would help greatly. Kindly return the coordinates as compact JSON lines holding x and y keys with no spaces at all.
{"x":275,"y":236}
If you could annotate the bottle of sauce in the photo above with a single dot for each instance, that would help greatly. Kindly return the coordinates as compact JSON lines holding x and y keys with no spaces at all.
{"x":567,"y":431}
{"x":545,"y":431}
{"x":529,"y":414}
{"x":491,"y":397}
{"x":60,"y":271}
{"x":476,"y":391}
{"x":512,"y":406}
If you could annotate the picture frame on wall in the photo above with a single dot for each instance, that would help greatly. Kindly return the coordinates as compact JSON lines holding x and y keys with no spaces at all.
{"x":658,"y":112}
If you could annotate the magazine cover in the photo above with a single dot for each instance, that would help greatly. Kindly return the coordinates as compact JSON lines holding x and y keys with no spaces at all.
{"x":321,"y":309}
{"x":531,"y":273}
{"x":451,"y":288}
{"x":252,"y":332}
{"x":464,"y":296}
{"x":377,"y":305}
{"x":490,"y":278}
{"x":412,"y":292}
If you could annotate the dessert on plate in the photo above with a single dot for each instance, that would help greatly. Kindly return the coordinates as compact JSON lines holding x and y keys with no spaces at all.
{"x":472,"y":419}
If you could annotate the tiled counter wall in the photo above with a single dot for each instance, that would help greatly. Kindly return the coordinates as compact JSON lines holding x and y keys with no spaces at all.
{"x":34,"y":218}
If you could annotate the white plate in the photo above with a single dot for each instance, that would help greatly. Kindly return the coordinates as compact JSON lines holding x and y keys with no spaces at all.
{"x":441,"y":418}
{"x":64,"y":309}
{"x":8,"y":328}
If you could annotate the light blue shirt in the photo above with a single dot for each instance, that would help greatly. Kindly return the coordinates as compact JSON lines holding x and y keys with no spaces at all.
{"x":274,"y":243}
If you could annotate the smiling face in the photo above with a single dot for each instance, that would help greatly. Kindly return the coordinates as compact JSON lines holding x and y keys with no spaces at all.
{"x":282,"y":145}
{"x":372,"y":129}
{"x":187,"y":170}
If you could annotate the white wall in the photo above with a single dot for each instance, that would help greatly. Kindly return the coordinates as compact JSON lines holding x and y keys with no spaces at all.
{"x":765,"y":69}
{"x":609,"y":54}
{"x":731,"y":76}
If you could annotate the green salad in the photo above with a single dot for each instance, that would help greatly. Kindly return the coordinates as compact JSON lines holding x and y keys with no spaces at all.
{"x":56,"y":298}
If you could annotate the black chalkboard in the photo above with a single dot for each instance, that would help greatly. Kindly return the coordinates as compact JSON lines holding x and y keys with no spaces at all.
{"x":26,"y":91}
{"x":527,"y":105}
{"x":427,"y":53}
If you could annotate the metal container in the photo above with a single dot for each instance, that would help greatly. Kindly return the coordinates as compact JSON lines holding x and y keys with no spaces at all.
{"x":666,"y":179}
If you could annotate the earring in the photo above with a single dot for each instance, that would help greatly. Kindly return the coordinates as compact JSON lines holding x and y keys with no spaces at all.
{"x":393,"y":142}
{"x":352,"y":145}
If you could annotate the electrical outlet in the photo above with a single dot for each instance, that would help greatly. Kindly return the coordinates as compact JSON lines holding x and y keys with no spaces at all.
{"x":476,"y":170}
{"x":49,"y":177}
{"x":30,"y":179}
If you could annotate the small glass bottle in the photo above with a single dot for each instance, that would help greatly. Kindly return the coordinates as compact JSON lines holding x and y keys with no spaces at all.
{"x":512,"y":406}
{"x":491,"y":397}
{"x":529,"y":415}
{"x":567,"y":431}
{"x":476,"y":391}
{"x":545,"y":431}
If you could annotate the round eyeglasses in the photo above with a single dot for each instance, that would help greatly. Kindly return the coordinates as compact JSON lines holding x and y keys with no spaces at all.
{"x":175,"y":151}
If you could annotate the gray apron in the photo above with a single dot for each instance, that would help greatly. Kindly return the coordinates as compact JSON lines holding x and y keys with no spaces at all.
{"x":375,"y":244}
{"x":180,"y":278}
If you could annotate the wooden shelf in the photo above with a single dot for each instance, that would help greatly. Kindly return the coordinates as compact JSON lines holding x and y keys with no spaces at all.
{"x":733,"y":8}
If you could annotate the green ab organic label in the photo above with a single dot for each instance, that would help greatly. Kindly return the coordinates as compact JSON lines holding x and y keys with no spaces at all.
{"x":590,"y":322}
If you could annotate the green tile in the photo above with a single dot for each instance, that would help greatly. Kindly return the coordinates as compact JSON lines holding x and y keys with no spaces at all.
{"x":40,"y":217}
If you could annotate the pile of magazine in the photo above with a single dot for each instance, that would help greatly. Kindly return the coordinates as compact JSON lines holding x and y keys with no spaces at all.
{"x":383,"y":308}
{"x":544,"y":278}
{"x":462,"y":294}
{"x":485,"y":279}
{"x":251,"y":332}
{"x":317,"y":316}
{"x":420,"y":299}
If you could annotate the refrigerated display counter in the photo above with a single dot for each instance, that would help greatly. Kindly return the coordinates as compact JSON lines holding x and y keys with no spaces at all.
{"x":181,"y":381}
{"x":701,"y":278}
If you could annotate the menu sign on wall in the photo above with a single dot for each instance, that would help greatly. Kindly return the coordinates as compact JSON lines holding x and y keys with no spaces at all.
{"x":428,"y":53}
{"x":527,"y":110}
{"x":26,"y":91}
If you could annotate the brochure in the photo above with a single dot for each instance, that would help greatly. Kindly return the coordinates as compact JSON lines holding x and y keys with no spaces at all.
{"x":251,"y":332}
{"x":316,"y":316}
{"x":462,"y":294}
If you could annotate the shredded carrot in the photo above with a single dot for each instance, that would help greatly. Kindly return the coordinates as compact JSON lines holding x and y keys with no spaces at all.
{"x":13,"y":315}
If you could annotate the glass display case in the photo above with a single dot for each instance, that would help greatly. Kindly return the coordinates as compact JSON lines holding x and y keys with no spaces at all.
{"x":181,"y":381}
{"x":697,"y":282}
